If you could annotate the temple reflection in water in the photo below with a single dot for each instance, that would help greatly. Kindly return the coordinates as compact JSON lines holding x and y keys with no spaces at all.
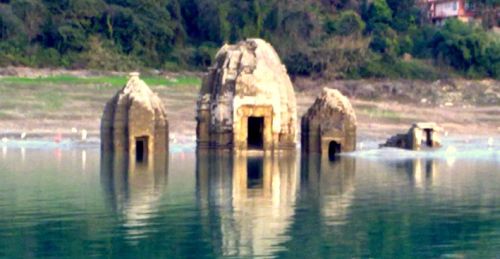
{"x":133,"y":188}
{"x":330,"y":184}
{"x":253,"y":197}
{"x":422,"y":172}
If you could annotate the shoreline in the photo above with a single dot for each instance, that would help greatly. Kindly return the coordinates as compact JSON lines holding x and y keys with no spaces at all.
{"x":185,"y":142}
{"x":376,"y":120}
{"x":65,"y":107}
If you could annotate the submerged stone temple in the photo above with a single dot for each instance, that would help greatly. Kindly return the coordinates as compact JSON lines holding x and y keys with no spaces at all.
{"x":247,"y":100}
{"x":329,"y":126}
{"x":420,"y":135}
{"x":135,"y":121}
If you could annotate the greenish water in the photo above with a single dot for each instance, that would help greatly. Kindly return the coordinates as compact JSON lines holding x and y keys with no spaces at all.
{"x":65,"y":202}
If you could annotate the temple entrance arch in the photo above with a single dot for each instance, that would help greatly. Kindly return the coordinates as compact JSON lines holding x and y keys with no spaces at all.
{"x":334,"y":149}
{"x":254,"y":127}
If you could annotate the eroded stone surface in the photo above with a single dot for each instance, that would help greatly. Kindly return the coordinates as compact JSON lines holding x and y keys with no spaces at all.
{"x":329,"y":123}
{"x":420,"y":135}
{"x":247,"y":80}
{"x":135,"y":116}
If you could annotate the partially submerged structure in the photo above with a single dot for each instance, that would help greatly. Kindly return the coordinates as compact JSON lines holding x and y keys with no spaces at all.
{"x":329,"y":126}
{"x":420,"y":135}
{"x":135,"y":121}
{"x":247,"y":100}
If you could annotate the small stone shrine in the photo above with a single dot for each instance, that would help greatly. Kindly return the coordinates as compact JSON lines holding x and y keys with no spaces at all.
{"x":329,"y":126}
{"x":420,"y":135}
{"x":135,"y":121}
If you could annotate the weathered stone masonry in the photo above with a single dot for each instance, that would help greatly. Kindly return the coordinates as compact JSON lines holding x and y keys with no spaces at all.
{"x":329,"y":126}
{"x":247,"y":100}
{"x":135,"y":121}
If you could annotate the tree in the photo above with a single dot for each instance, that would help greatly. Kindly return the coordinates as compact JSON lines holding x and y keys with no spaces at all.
{"x":385,"y":41}
{"x":488,"y":10}
{"x":405,"y":14}
{"x":348,"y":23}
{"x":143,"y":28}
{"x":493,"y":63}
{"x":378,"y":14}
{"x":11,"y":27}
{"x":463,"y":46}
{"x":32,"y":13}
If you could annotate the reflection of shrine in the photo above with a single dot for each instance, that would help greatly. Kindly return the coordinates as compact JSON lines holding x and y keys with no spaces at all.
{"x":421,"y":171}
{"x":133,"y":188}
{"x":252,"y":197}
{"x":331,"y":183}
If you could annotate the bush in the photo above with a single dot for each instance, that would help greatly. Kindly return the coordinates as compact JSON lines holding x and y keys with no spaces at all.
{"x":299,"y":64}
{"x":181,"y":57}
{"x":421,"y":39}
{"x":32,"y":13}
{"x":348,"y":23}
{"x":493,"y":63}
{"x":204,"y":55}
{"x":380,"y":68}
{"x":378,"y":13}
{"x":385,"y":41}
{"x":405,"y":45}
{"x":11,"y":27}
{"x":467,"y":48}
{"x":103,"y":54}
{"x":71,"y":38}
{"x":47,"y":57}
{"x":12,"y":53}
{"x":340,"y":57}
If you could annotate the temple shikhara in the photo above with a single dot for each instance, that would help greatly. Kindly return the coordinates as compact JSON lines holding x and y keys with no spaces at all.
{"x":135,"y":121}
{"x":247,"y":100}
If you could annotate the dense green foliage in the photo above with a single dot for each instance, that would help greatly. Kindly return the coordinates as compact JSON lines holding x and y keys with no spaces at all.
{"x":327,"y":38}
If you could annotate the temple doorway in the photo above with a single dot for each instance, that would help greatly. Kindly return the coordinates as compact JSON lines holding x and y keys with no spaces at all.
{"x":255,"y":133}
{"x":334,"y":148}
{"x":141,"y":149}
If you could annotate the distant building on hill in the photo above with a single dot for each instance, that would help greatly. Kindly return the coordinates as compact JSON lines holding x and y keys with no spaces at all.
{"x":440,"y":10}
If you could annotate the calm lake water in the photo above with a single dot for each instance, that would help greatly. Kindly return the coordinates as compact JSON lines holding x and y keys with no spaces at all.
{"x":63,"y":201}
